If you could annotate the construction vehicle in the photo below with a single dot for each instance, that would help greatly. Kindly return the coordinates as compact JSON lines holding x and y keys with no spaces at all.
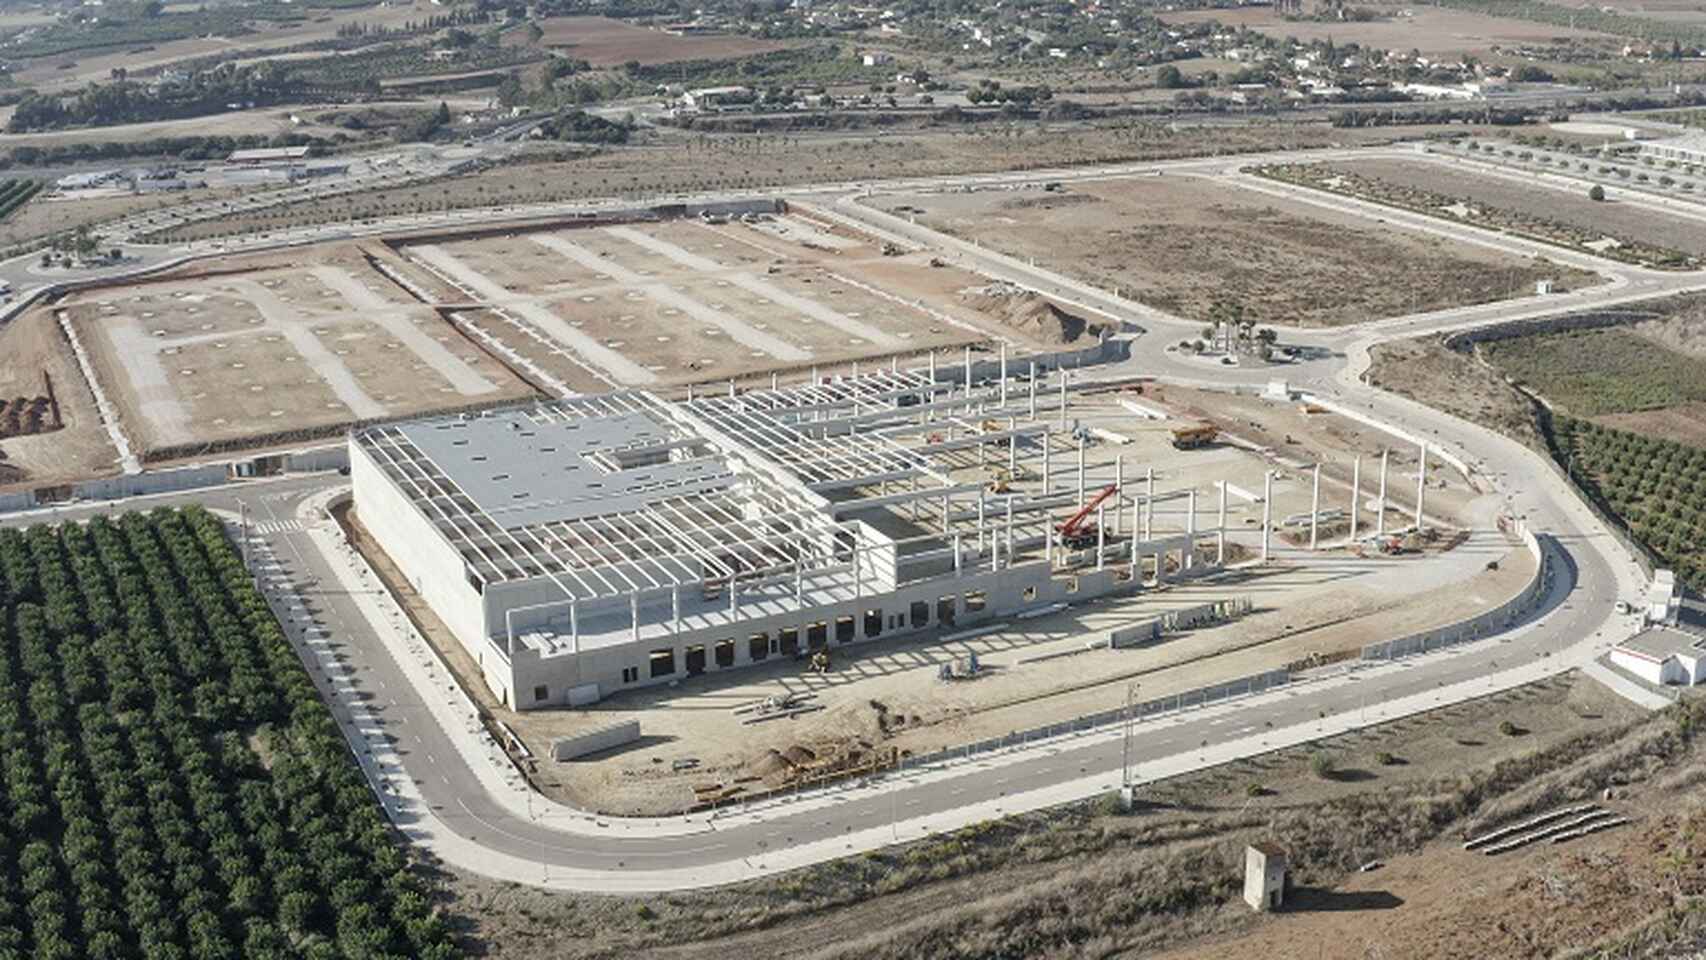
{"x":1078,"y":532}
{"x":1194,"y":436}
{"x":1000,"y":481}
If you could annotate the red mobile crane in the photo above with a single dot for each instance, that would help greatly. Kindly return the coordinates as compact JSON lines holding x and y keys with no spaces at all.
{"x":1075,"y":533}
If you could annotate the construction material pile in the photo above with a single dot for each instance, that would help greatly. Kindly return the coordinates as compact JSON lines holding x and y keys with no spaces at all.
{"x":1030,"y":314}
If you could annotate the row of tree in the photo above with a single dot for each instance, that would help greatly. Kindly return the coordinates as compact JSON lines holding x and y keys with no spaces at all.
{"x":139,"y":673}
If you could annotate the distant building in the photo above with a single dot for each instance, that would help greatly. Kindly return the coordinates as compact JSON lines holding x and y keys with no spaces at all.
{"x":1688,"y":148}
{"x":710,"y":98}
{"x":267,"y":155}
{"x":1264,"y":877}
{"x":1663,"y":655}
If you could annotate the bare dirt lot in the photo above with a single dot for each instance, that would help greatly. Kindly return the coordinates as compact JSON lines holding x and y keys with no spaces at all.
{"x":1078,"y":882}
{"x":1570,"y":207}
{"x":683,"y":301}
{"x":30,"y":345}
{"x":1182,"y":244}
{"x":1456,"y":382}
{"x":604,"y":42}
{"x":255,"y":347}
{"x":1431,"y":30}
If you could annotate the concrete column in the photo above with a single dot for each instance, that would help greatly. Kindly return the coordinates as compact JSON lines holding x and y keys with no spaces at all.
{"x":775,"y":380}
{"x":1048,"y":481}
{"x":980,"y":540}
{"x":968,"y":379}
{"x":1135,"y":540}
{"x":1220,"y":538}
{"x":1119,"y":490}
{"x":1012,"y":448}
{"x":854,"y":373}
{"x":1380,"y":517}
{"x":1356,"y":494}
{"x":1315,"y":508}
{"x":894,"y":364}
{"x":634,"y":611}
{"x":814,"y":375}
{"x":947,"y":513}
{"x":575,"y":626}
{"x":1004,"y":373}
{"x":858,"y":575}
{"x":1267,"y":511}
{"x":1063,"y":398}
{"x":1149,"y":504}
{"x":1101,"y":533}
{"x":1081,"y":471}
{"x":674,"y":607}
{"x":958,"y":570}
{"x":1188,"y":559}
{"x":1033,"y":385}
{"x":734,"y":595}
{"x":731,"y":388}
{"x":799,"y":586}
{"x":1421,"y":485}
{"x":690,"y":393}
{"x":931,"y":396}
{"x":1008,"y":554}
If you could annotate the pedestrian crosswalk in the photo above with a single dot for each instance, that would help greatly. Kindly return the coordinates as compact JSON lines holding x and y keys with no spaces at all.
{"x":268,"y":527}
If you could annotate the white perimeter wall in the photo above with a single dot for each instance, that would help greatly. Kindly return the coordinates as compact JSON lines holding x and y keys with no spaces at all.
{"x":433,"y":568}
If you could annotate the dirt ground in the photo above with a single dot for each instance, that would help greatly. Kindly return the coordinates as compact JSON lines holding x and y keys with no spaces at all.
{"x":604,"y":42}
{"x":1458,"y":383}
{"x":251,"y":347}
{"x":1185,"y":243}
{"x":684,"y":301}
{"x":1570,"y":207}
{"x":30,"y":344}
{"x":42,"y":216}
{"x":1431,"y":30}
{"x":677,"y":161}
{"x":1064,"y":863}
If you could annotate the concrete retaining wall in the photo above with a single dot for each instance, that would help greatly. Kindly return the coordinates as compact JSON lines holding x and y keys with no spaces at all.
{"x":592,"y":741}
{"x":1498,"y":619}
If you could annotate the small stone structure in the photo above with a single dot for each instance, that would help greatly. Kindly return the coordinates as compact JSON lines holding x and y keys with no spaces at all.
{"x":1264,"y":877}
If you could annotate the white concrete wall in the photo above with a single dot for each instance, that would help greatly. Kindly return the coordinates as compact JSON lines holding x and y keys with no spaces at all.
{"x":433,"y":568}
{"x":1645,"y":668}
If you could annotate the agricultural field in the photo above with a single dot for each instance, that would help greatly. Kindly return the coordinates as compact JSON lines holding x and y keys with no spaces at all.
{"x":1537,"y":211}
{"x":1594,"y":373}
{"x":259,"y":349}
{"x":605,"y":42}
{"x":1183,"y":244}
{"x":1657,"y":486}
{"x":15,"y":192}
{"x":673,"y":162}
{"x":175,"y":786}
{"x":1432,"y":30}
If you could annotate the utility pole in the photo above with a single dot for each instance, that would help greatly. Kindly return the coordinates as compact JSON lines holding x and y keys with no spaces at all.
{"x":1356,"y":494}
{"x":1127,"y":791}
{"x":1315,"y":508}
{"x":1421,"y":485}
{"x":1380,"y":515}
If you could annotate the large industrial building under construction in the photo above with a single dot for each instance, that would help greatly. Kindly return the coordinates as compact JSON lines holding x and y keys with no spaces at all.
{"x":583,"y":546}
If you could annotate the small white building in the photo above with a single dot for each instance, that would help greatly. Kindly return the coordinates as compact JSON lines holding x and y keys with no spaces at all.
{"x":709,"y":98}
{"x":1663,"y":655}
{"x":1264,"y":877}
{"x":1664,"y":600}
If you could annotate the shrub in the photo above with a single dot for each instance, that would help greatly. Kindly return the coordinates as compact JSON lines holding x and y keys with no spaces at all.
{"x":1385,"y":759}
{"x":1596,"y":193}
{"x":1322,"y":765}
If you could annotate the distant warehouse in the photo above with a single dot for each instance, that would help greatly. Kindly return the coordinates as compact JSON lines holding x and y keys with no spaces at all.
{"x":267,"y":155}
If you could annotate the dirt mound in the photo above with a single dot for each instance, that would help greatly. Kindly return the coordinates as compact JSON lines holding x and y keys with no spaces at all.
{"x":1030,"y":315}
{"x":798,"y":756}
{"x":769,"y":764}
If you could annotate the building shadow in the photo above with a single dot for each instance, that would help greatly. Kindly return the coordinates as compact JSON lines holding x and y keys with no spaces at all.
{"x":1323,"y":900}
